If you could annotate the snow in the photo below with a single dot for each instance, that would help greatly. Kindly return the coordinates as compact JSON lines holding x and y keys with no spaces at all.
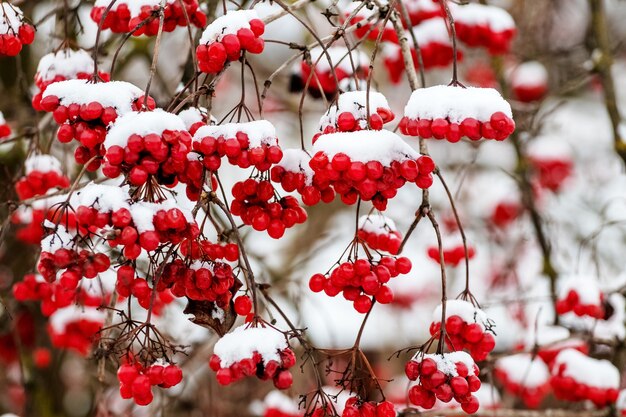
{"x":133,"y":5}
{"x":277,"y":400}
{"x":59,"y":239}
{"x":297,"y":160}
{"x":377,"y":224}
{"x":522,"y":369}
{"x":42,"y":163}
{"x":142,"y":124}
{"x":366,"y":145}
{"x":550,"y":147}
{"x":456,"y":103}
{"x":431,"y":31}
{"x":354,"y":102}
{"x":488,"y":396}
{"x":529,"y":74}
{"x":339,"y":59}
{"x":105,"y":198}
{"x":73,"y":313}
{"x":230,"y":23}
{"x":66,"y":62}
{"x":463,"y":309}
{"x":260,"y":132}
{"x":10,"y":18}
{"x":496,"y":18}
{"x":446,"y":362}
{"x":547,"y":336}
{"x":192,"y":115}
{"x":599,"y":373}
{"x":117,"y":94}
{"x":614,"y":327}
{"x":2,"y":119}
{"x":242,"y":342}
{"x":422,"y":5}
{"x":586,"y":287}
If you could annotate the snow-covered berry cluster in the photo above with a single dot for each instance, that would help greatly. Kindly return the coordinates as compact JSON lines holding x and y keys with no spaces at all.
{"x":253,"y":351}
{"x":85,"y":110}
{"x":362,"y":281}
{"x":356,"y":407}
{"x":525,"y":377}
{"x":41,"y":173}
{"x":421,"y":10}
{"x":75,"y":327}
{"x":227,"y":37}
{"x":529,"y":81}
{"x":369,"y":164}
{"x":444,"y":377}
{"x":379,"y":233}
{"x":451,"y":112}
{"x":582,"y":296}
{"x":479,"y":25}
{"x":136,"y":381}
{"x":368,"y":28}
{"x":467,"y":328}
{"x":15,"y":31}
{"x":141,"y":17}
{"x":63,"y":65}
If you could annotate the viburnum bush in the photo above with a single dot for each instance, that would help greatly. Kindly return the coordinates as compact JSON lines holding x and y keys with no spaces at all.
{"x":164,"y":248}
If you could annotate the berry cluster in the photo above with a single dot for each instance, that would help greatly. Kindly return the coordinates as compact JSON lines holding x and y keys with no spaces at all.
{"x":421,"y":10}
{"x":85,"y":110}
{"x":582,"y":296}
{"x":253,"y":351}
{"x":450,"y":113}
{"x":577,"y":377}
{"x":524,"y":377}
{"x":79,"y":330}
{"x":356,"y":407}
{"x":244,"y":144}
{"x":63,"y":65}
{"x":551,"y":172}
{"x":142,"y":17}
{"x":467,"y":327}
{"x":156,"y":153}
{"x":529,"y":81}
{"x":451,"y":255}
{"x":444,"y":377}
{"x":5,"y":129}
{"x":128,"y":284}
{"x":379,"y":233}
{"x":136,"y":381}
{"x":366,"y":29}
{"x":42,"y":172}
{"x":485,"y":26}
{"x":371,"y":165}
{"x":227,"y":37}
{"x":255,"y":202}
{"x":16,"y":31}
{"x":503,"y":214}
{"x":294,"y":173}
{"x":362,"y":281}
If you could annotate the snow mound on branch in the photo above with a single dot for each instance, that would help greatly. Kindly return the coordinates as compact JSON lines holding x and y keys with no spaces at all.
{"x":340,"y":58}
{"x":59,"y":239}
{"x":242,"y":342}
{"x":523,"y":370}
{"x":104,"y":198}
{"x":383,"y":146}
{"x":133,"y":5}
{"x":587,"y":288}
{"x":142,"y":124}
{"x":297,"y":160}
{"x":355,"y":102}
{"x":446,"y":362}
{"x":496,"y":18}
{"x":549,"y":147}
{"x":463,"y":309}
{"x":549,"y":336}
{"x":598,"y":373}
{"x":228,"y":24}
{"x":260,"y":132}
{"x":456,"y":103}
{"x":64,"y":316}
{"x":10,"y":19}
{"x":377,"y":224}
{"x":529,"y":74}
{"x":66,"y":63}
{"x":42,"y":163}
{"x":117,"y":94}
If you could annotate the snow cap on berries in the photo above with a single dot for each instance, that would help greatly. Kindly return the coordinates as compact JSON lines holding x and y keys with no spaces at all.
{"x":464,"y":309}
{"x":242,"y":342}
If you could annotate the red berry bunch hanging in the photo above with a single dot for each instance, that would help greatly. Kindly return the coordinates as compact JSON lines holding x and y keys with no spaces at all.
{"x":66,"y":64}
{"x":349,"y":113}
{"x":582,"y":296}
{"x":444,"y":377}
{"x":577,"y":377}
{"x":129,"y":284}
{"x":227,"y":37}
{"x":379,"y":233}
{"x":294,"y":173}
{"x":453,"y":112}
{"x":136,"y":381}
{"x":84,"y":111}
{"x":141,"y":16}
{"x":253,"y":351}
{"x":205,"y":249}
{"x":323,"y":69}
{"x":552,"y":172}
{"x":145,"y":145}
{"x":479,"y":25}
{"x":5,"y":129}
{"x":15,"y":31}
{"x":435,"y":48}
{"x":368,"y":164}
{"x":453,"y":255}
{"x":467,"y":327}
{"x":42,"y":172}
{"x":75,"y":327}
{"x":356,"y":407}
{"x":244,"y":144}
{"x":524,"y":377}
{"x":529,"y":81}
{"x":255,"y":201}
{"x":362,"y":281}
{"x":421,"y":10}
{"x":368,"y":30}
